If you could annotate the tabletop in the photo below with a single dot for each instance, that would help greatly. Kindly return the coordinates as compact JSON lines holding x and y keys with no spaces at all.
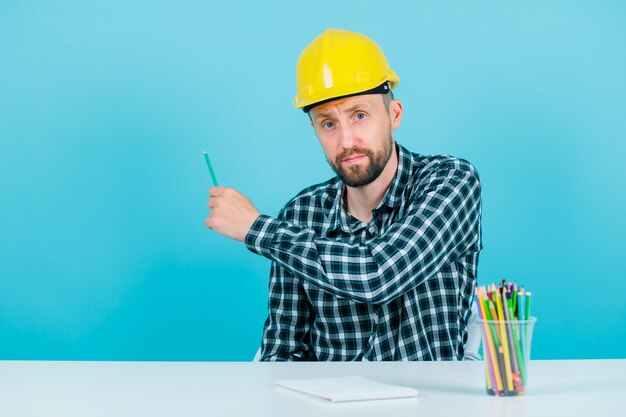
{"x":556,"y":387}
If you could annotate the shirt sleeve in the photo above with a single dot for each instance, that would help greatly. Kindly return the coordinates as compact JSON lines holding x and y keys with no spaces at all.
{"x":286,"y":330}
{"x":441,"y":224}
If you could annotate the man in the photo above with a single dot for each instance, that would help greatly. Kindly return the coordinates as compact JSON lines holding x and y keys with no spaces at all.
{"x":379,"y":262}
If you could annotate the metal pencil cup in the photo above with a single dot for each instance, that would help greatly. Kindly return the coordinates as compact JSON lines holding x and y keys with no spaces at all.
{"x":506,"y":352}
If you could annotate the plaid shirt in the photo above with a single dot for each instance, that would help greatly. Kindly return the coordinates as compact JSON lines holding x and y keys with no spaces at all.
{"x":397,"y":288}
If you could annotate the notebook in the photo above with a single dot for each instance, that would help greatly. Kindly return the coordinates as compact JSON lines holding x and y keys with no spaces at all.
{"x":349,"y":388}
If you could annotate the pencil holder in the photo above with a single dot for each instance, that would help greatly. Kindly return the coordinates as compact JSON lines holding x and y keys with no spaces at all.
{"x":506,"y":352}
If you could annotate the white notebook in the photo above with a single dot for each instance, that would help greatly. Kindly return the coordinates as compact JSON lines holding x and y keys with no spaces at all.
{"x":349,"y":388}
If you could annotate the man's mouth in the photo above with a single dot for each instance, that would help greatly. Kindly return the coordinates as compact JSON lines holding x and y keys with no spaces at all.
{"x":354,"y":158}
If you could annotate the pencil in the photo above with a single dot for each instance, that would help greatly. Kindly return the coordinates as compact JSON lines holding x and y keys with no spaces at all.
{"x":494,"y":316}
{"x":518,"y":352}
{"x":208,"y":164}
{"x":508,"y":317}
{"x":502,"y":367}
{"x":491,"y":317}
{"x":521,"y":297}
{"x":521,"y":301}
{"x":515,"y":301}
{"x":505,"y":345}
{"x":490,"y":357}
{"x":527,"y":299}
{"x":492,"y":354}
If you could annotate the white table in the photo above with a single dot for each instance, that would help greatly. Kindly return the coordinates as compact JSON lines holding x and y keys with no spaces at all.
{"x":556,"y":388}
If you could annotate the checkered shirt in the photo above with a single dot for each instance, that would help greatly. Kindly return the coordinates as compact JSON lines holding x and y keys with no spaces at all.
{"x":397,"y":288}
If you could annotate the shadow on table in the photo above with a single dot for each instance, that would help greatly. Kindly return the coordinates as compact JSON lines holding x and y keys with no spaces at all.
{"x":397,"y":407}
{"x":429,"y":388}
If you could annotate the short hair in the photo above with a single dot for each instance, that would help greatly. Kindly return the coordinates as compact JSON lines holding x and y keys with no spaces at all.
{"x":387,"y":98}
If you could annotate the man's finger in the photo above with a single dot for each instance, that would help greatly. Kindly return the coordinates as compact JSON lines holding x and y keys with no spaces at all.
{"x":216,"y":191}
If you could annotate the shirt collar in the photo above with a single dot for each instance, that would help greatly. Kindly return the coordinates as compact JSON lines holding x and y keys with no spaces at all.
{"x":395,"y":193}
{"x":337,"y":216}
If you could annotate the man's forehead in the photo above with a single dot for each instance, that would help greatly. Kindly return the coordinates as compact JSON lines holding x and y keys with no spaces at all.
{"x":343,"y":105}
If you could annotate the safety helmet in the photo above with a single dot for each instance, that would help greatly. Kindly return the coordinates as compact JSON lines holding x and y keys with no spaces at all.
{"x":340,"y":63}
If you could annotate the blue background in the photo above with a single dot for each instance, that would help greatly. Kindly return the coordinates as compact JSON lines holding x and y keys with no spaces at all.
{"x":105,"y":109}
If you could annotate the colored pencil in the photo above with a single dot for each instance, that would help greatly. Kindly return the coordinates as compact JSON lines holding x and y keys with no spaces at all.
{"x":511,"y":342}
{"x":505,"y":345}
{"x":208,"y":164}
{"x":489,"y":375}
{"x":489,"y":351}
{"x":507,"y":387}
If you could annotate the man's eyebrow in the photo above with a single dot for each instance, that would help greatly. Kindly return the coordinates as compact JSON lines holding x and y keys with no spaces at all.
{"x":348,"y":110}
{"x":321,"y":115}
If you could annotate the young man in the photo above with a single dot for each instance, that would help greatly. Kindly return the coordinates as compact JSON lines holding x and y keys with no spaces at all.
{"x":379,"y":262}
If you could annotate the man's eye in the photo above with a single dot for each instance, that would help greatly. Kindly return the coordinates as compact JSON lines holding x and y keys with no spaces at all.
{"x":360,"y":116}
{"x":327,"y":125}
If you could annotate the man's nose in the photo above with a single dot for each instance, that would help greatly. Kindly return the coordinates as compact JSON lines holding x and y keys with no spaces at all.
{"x":348,"y":137}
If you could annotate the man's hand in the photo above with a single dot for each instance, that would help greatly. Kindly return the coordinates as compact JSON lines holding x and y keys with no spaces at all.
{"x":231,"y":214}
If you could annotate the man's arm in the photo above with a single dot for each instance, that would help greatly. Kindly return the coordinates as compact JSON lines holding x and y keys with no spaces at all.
{"x":286,"y":331}
{"x":442,"y":224}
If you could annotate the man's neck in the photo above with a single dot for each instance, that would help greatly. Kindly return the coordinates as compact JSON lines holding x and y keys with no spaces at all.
{"x":362,"y":200}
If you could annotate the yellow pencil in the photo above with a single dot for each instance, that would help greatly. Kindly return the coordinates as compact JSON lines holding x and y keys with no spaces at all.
{"x":505,"y":344}
{"x":492,"y":355}
{"x":488,"y":376}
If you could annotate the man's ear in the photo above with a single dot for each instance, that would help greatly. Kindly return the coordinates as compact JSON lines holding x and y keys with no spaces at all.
{"x":396,"y":113}
{"x":312,"y":125}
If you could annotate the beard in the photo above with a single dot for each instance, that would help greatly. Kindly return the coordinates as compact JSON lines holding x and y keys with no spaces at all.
{"x":358,"y":175}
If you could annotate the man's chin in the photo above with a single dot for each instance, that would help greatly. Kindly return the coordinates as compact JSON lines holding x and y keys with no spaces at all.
{"x":356,"y":182}
{"x":356,"y":176}
{"x":352,"y":176}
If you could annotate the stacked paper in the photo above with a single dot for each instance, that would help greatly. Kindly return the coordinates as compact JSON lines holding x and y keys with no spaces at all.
{"x":349,"y":388}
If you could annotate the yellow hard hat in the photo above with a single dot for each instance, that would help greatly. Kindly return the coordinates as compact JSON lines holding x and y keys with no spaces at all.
{"x":340,"y":63}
